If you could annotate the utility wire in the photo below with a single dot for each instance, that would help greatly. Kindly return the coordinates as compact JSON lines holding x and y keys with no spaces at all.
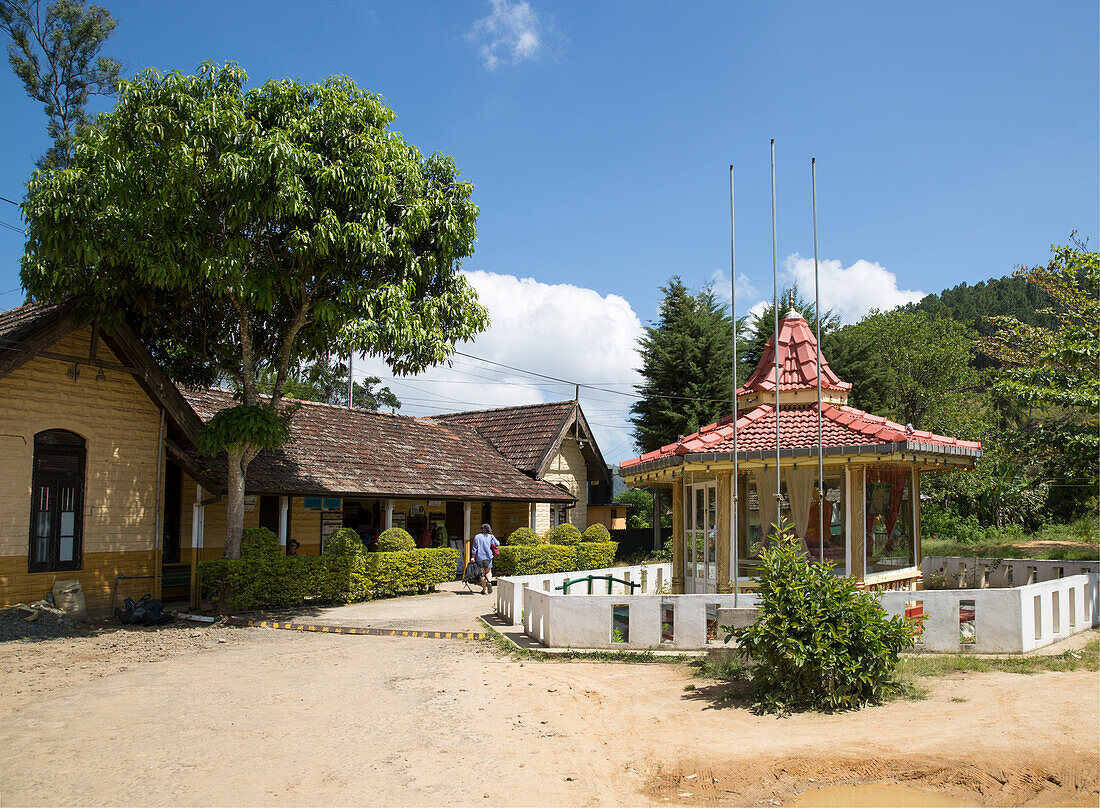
{"x":11,"y":201}
{"x":13,"y":227}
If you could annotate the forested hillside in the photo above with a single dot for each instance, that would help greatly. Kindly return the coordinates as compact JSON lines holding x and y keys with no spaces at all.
{"x":1012,"y":296}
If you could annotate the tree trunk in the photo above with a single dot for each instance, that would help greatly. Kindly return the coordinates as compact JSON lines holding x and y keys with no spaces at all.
{"x":234,"y":506}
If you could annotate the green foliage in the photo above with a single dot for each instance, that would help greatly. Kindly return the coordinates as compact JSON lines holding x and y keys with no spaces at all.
{"x":243,"y":231}
{"x":258,"y":425}
{"x":56,"y":56}
{"x":596,"y":532}
{"x":686,"y":367}
{"x":564,"y":533}
{"x":280,"y":582}
{"x":523,"y":536}
{"x":344,"y":542}
{"x":546,"y":558}
{"x":818,"y":642}
{"x":394,"y":539}
{"x":326,"y":380}
{"x":639,"y":504}
{"x":259,"y":542}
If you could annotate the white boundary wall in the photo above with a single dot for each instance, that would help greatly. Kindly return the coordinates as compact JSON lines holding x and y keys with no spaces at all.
{"x":1006,"y":621}
{"x":652,"y":577}
{"x":994,"y":572}
{"x":1013,"y":620}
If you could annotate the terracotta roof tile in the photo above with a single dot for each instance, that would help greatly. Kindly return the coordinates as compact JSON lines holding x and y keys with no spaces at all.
{"x":343,"y":451}
{"x":17,"y":323}
{"x":797,"y":361}
{"x":522,"y":434}
{"x":841,"y":426}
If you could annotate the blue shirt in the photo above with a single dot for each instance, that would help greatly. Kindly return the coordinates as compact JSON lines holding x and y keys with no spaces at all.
{"x":483,"y":546}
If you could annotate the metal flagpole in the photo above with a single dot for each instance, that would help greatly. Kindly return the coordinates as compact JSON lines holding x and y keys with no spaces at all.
{"x":817,"y":314}
{"x":351,"y":381}
{"x":775,"y":303}
{"x":734,"y":488}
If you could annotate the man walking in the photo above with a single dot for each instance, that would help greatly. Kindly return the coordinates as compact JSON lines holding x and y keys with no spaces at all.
{"x":485,"y":546}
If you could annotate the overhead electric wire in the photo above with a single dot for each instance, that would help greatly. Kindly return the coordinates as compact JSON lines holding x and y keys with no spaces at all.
{"x":13,"y":227}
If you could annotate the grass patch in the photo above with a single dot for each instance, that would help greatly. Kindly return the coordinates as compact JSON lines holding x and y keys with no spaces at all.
{"x":926,"y":665}
{"x":1081,"y":552}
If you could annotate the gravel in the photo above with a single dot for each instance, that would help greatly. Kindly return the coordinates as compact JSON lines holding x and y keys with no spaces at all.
{"x":49,"y":625}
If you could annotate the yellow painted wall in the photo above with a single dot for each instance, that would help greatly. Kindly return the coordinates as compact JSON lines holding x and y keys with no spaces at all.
{"x":120,"y":425}
{"x":509,"y":516}
{"x":568,"y":469}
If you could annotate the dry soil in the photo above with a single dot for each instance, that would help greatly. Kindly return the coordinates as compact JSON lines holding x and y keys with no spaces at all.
{"x":219,"y":716}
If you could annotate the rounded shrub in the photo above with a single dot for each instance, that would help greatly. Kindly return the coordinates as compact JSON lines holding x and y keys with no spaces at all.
{"x":596,"y":532}
{"x":259,"y":542}
{"x":818,"y":642}
{"x":565,"y":534}
{"x":344,"y":542}
{"x":523,"y":535}
{"x":394,"y":539}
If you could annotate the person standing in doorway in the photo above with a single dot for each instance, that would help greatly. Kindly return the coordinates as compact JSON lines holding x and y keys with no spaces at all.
{"x":485,"y":547}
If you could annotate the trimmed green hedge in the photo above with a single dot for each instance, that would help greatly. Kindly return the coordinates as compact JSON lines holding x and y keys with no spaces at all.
{"x":564,"y":533}
{"x":596,"y":532}
{"x":523,"y":536}
{"x":543,"y":558}
{"x":347,"y":575}
{"x":393,"y":539}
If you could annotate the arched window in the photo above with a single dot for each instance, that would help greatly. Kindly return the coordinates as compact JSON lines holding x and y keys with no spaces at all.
{"x":57,"y":500}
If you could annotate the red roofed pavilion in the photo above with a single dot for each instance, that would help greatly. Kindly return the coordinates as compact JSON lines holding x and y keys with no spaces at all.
{"x":871,"y":480}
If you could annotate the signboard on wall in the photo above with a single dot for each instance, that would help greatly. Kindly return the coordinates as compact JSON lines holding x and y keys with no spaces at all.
{"x":330,"y":523}
{"x":333,"y":504}
{"x":250,"y":502}
{"x":311,"y":503}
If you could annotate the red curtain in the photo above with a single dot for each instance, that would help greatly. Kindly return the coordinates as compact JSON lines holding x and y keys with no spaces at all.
{"x":895,"y":477}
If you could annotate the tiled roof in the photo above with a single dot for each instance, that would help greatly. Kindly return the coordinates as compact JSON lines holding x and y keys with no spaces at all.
{"x":18,"y":323}
{"x":344,"y":451}
{"x":522,"y":434}
{"x":841,"y":427}
{"x":797,"y":361}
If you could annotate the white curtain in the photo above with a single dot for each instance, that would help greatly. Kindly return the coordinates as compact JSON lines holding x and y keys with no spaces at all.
{"x":800,"y":490}
{"x":765,"y":498}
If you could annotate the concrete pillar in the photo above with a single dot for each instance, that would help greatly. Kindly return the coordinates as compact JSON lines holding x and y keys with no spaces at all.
{"x":387,"y":514}
{"x":284,"y":512}
{"x":531,"y":514}
{"x":467,"y":536}
{"x":678,"y":538}
{"x":724,"y":517}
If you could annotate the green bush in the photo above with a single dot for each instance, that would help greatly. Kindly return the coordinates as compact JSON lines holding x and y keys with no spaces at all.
{"x":563,"y":534}
{"x":545,"y":558}
{"x":344,"y":542}
{"x":818,"y":642}
{"x":394,"y":539}
{"x":257,"y":542}
{"x":523,"y":536}
{"x":596,"y":532}
{"x":343,"y":576}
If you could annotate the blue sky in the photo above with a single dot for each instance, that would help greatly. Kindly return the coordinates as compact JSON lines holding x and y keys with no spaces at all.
{"x":954,"y":141}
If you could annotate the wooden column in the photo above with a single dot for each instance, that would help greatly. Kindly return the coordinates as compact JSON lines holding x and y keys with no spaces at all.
{"x":725,"y":501}
{"x":857,"y":523}
{"x":916,"y":516}
{"x":678,"y":538}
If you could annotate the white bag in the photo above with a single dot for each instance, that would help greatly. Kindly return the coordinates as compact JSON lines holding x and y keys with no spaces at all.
{"x":68,"y":596}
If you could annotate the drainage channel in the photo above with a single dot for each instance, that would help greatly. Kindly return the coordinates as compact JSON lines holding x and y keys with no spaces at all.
{"x":373,"y":632}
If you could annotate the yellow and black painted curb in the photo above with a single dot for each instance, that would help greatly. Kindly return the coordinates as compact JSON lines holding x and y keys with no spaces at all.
{"x":374,"y":632}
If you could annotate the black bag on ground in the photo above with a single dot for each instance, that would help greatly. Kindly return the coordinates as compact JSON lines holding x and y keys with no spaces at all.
{"x":147,"y":612}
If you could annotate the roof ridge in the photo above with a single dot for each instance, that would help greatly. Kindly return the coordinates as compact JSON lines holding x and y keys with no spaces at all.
{"x":446,"y":415}
{"x":320,"y":404}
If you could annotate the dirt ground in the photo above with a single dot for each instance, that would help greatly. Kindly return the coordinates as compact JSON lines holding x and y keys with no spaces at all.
{"x":189,"y":715}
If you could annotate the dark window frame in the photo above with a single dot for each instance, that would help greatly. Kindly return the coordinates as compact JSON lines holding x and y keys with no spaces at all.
{"x":63,"y":447}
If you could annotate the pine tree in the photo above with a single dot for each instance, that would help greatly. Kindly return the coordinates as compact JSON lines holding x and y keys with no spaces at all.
{"x":686,"y":364}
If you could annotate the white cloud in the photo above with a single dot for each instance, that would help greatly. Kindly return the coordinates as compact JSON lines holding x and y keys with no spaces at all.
{"x":720,"y":282}
{"x":558,"y":330}
{"x":849,"y":291}
{"x":510,"y":33}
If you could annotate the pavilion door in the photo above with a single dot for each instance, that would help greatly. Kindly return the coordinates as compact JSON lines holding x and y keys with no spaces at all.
{"x":701,"y":537}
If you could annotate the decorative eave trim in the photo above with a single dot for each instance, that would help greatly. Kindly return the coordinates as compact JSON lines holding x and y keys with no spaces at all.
{"x":915,"y":447}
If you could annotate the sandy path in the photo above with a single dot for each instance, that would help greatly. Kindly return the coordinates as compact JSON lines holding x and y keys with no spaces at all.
{"x":274,"y":717}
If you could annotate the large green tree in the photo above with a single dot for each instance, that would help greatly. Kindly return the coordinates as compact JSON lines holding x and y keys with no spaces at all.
{"x":55,"y":53}
{"x":243,"y":231}
{"x":327,"y":381}
{"x":687,"y":369}
{"x":1054,"y":372}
